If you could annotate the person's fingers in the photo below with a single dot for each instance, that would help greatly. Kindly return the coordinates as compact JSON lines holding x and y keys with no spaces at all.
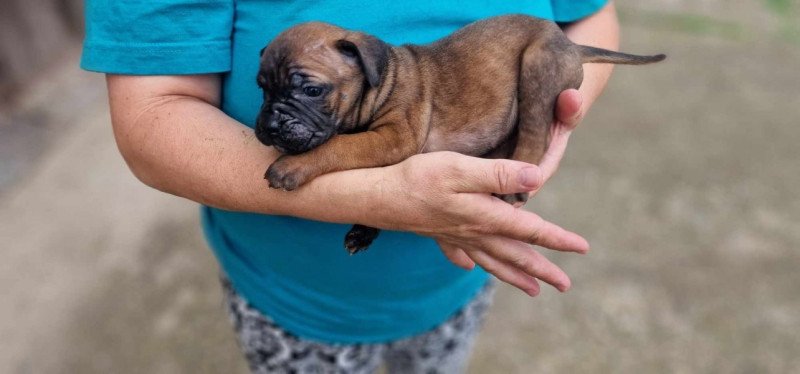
{"x":569,"y":113}
{"x":506,"y":272}
{"x":496,"y":217}
{"x":521,"y":256}
{"x":495,"y":176}
{"x":555,"y":152}
{"x":568,"y":108}
{"x":470,"y":174}
{"x":457,"y":256}
{"x":532,"y":229}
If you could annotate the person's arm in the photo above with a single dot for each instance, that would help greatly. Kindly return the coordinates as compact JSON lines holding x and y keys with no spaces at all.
{"x":600,"y":30}
{"x":174,"y":138}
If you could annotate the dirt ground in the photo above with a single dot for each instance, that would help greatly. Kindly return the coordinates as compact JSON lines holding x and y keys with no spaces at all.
{"x":683,"y":177}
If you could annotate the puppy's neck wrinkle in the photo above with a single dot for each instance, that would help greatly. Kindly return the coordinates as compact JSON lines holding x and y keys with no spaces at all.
{"x":376,"y":99}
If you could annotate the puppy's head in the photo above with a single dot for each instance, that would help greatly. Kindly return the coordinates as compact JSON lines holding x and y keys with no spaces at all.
{"x":314,"y":76}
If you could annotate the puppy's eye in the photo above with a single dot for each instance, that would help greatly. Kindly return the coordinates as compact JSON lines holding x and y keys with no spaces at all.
{"x":312,"y":91}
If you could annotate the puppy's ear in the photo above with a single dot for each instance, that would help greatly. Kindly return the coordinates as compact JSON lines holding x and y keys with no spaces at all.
{"x":261,"y":52}
{"x":371,"y":53}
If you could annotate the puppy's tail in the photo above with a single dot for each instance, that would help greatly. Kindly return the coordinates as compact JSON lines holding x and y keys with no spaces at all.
{"x":592,"y":54}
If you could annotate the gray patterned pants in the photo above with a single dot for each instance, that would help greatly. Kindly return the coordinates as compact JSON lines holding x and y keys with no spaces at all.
{"x":270,"y":349}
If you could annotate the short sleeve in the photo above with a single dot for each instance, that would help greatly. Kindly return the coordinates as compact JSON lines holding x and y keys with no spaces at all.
{"x":155,"y":37}
{"x":573,"y":10}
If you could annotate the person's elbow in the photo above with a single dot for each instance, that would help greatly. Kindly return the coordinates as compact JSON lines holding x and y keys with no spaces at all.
{"x":141,"y":162}
{"x":146,"y":123}
{"x":142,"y":133}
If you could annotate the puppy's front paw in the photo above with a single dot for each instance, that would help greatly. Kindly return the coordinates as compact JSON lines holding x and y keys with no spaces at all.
{"x":515,"y":199}
{"x":288,"y":173}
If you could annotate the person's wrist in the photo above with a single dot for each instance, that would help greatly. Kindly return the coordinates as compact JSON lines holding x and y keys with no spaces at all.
{"x":378,"y":204}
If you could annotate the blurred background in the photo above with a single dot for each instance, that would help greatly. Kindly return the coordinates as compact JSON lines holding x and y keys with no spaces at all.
{"x":684,"y":177}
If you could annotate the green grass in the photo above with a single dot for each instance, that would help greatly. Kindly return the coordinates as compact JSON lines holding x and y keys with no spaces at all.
{"x":685,"y":22}
{"x":780,"y":7}
{"x":787,"y":11}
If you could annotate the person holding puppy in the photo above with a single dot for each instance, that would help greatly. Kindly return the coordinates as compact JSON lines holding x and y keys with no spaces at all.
{"x":183,"y":98}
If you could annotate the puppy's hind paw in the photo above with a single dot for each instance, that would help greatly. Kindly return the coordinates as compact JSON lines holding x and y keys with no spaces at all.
{"x":359,"y":238}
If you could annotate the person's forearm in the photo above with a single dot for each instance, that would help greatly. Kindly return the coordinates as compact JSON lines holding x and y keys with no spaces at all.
{"x":598,"y":30}
{"x":186,"y":146}
{"x":174,"y":138}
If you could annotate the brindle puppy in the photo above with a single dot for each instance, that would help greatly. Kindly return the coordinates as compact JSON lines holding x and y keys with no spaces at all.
{"x":336,"y":99}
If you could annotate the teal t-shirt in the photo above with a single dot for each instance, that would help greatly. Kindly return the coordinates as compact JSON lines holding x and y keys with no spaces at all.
{"x":296,"y":271}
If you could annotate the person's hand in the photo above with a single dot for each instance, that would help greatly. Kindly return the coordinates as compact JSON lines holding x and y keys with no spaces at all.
{"x":447,"y":196}
{"x":569,"y":113}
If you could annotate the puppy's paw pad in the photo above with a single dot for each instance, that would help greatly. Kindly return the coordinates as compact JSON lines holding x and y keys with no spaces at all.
{"x":355,"y":245}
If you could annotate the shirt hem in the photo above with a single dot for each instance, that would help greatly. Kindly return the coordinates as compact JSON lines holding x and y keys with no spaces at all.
{"x":157,"y":58}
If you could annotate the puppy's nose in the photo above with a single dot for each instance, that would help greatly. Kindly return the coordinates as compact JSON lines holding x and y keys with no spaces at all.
{"x":273,"y":126}
{"x":273,"y":122}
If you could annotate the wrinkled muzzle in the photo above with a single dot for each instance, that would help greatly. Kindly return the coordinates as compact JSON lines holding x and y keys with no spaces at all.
{"x":290,"y":134}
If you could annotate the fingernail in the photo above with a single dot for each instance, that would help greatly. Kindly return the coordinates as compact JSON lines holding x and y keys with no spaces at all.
{"x":530,"y":177}
{"x":585,"y":247}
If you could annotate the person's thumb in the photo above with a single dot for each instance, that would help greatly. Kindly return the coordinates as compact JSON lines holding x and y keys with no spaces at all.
{"x":568,"y":109}
{"x":499,"y":176}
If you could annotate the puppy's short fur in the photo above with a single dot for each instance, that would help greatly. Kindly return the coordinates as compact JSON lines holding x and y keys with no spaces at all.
{"x":336,"y":99}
